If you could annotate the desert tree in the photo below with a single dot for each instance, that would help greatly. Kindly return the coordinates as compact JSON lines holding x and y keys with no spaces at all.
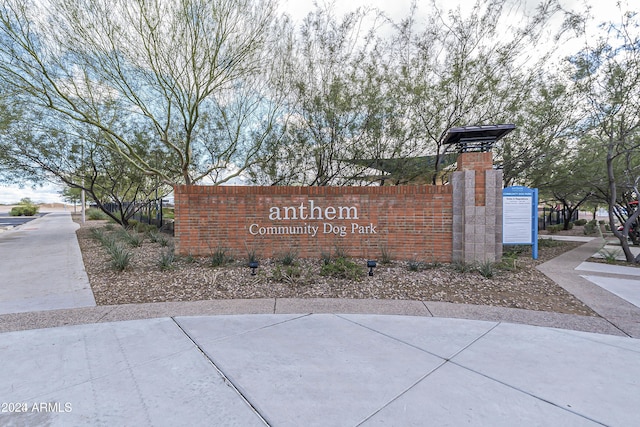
{"x":458,"y":69}
{"x":608,"y":74}
{"x":188,"y":73}
{"x":333,"y":103}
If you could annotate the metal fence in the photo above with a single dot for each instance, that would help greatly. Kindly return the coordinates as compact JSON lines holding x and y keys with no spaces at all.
{"x":552,"y":216}
{"x":148,"y":212}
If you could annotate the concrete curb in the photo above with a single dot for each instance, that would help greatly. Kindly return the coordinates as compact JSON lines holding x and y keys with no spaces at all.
{"x":102,"y":314}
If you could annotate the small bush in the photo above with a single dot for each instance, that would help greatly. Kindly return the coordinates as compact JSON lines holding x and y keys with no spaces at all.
{"x":610,"y":256}
{"x":508,"y":263}
{"x":590,"y":227}
{"x":102,"y":237}
{"x":515,"y":250}
{"x":288,"y":258}
{"x":414,"y":265}
{"x":549,"y":243}
{"x":325,"y":257}
{"x":25,"y":208}
{"x":486,"y":269}
{"x":120,"y":257}
{"x":166,"y":260}
{"x":340,"y":252}
{"x":289,"y":274}
{"x":132,"y":238}
{"x":160,"y":238}
{"x":252,"y":256}
{"x":189,"y":259}
{"x":96,"y":214}
{"x":461,"y":267}
{"x":580,"y":222}
{"x":385,"y":256}
{"x":23,"y":211}
{"x":553,"y":229}
{"x":342,"y":268}
{"x":142,"y":227}
{"x":219,"y":258}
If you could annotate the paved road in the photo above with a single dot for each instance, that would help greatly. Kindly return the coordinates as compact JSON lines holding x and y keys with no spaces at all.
{"x":7,"y":220}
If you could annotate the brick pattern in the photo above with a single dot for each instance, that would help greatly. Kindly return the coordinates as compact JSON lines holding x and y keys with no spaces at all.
{"x":409,"y":222}
{"x":461,"y":221}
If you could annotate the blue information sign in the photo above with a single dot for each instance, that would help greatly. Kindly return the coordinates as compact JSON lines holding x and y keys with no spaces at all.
{"x":520,"y":217}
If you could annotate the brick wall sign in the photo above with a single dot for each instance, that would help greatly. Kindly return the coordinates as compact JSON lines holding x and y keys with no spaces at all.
{"x":408,"y":222}
{"x":461,"y":221}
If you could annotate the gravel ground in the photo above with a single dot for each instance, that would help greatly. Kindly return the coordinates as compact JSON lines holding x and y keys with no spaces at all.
{"x":191,"y":279}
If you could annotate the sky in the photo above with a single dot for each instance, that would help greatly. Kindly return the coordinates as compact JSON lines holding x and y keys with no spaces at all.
{"x":602,"y":10}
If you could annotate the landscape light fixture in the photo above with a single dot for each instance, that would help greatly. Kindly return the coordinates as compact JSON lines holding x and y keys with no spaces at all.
{"x":371,"y":264}
{"x":253,"y":265}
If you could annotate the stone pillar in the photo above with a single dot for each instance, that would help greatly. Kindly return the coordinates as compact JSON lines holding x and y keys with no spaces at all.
{"x":477,"y":209}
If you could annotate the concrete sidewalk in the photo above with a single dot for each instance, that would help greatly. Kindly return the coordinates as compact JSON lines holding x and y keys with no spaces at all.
{"x":280,"y":362}
{"x":41,"y":266}
{"x":593,"y":284}
{"x":319,"y":369}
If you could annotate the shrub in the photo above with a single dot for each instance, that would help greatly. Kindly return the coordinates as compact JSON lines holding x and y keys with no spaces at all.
{"x":325,"y":257}
{"x":342,"y":268}
{"x":252,"y":255}
{"x":385,"y":255}
{"x":486,"y":269}
{"x":549,"y":243}
{"x":610,"y":256}
{"x":25,"y":208}
{"x":104,"y":239}
{"x":580,"y":222}
{"x":288,"y":273}
{"x":157,"y":237}
{"x":166,"y":260}
{"x":96,"y":214}
{"x":414,"y":265}
{"x":132,"y":238}
{"x":189,"y":259}
{"x":461,"y":266}
{"x":553,"y":229}
{"x":590,"y":227}
{"x":508,"y":263}
{"x":515,"y":250}
{"x":288,"y":258}
{"x":340,"y":252}
{"x":142,"y":227}
{"x":120,"y":257}
{"x":219,"y":258}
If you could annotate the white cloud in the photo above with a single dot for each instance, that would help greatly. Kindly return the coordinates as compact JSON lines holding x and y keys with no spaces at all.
{"x":48,"y":193}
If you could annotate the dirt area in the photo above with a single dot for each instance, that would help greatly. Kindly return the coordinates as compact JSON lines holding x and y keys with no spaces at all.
{"x":513,"y":283}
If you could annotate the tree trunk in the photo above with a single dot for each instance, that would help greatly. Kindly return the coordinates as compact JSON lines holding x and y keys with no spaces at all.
{"x":622,"y":236}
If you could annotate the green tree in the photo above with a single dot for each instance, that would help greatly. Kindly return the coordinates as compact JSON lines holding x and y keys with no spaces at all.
{"x":470,"y":69}
{"x":608,"y":74}
{"x":188,"y":74}
{"x":333,"y":106}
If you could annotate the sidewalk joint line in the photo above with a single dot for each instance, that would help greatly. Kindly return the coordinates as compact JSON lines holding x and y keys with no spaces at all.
{"x":226,"y":379}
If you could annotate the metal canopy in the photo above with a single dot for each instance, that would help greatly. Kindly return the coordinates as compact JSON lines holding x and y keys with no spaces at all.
{"x":476,"y":138}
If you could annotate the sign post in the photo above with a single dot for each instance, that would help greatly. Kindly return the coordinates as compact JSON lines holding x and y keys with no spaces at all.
{"x":520,"y":217}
